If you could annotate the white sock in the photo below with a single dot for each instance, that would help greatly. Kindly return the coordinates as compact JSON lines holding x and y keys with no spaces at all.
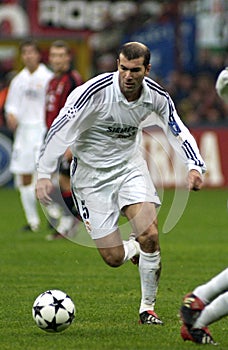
{"x":208,"y":291}
{"x":131,"y":248}
{"x":29,"y":203}
{"x":149,"y":270}
{"x":213,"y":312}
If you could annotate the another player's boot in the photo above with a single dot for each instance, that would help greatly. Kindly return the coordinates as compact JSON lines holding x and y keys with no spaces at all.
{"x":191,"y":309}
{"x":197,"y":335}
{"x":149,"y":317}
{"x":30,"y":227}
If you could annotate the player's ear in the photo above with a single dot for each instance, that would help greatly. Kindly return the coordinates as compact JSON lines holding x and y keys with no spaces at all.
{"x":147,"y":71}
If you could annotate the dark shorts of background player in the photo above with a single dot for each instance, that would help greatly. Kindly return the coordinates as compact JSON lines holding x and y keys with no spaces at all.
{"x":64,"y":167}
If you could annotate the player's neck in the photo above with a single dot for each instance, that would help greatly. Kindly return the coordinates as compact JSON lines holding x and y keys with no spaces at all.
{"x":61,"y":72}
{"x":130,"y":97}
{"x":32,"y":69}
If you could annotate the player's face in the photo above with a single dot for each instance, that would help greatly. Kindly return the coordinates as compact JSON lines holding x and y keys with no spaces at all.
{"x":59,"y":59}
{"x":30,"y":57}
{"x":131,"y":74}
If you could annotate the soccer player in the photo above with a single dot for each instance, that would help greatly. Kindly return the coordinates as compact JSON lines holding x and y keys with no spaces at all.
{"x":65,"y":80}
{"x":25,"y":116}
{"x":206,"y":304}
{"x":102,"y":123}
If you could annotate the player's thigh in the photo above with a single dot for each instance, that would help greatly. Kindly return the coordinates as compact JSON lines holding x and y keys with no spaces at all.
{"x":137,"y":187}
{"x":142,"y":216}
{"x":138,"y":198}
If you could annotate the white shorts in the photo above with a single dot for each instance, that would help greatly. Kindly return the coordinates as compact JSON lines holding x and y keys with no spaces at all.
{"x":100,"y":195}
{"x":26,"y":147}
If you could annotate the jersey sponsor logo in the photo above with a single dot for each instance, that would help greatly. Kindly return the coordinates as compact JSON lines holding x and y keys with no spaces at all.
{"x":123,"y":132}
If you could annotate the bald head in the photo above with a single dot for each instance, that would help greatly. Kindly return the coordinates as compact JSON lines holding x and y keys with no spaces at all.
{"x":134,"y":49}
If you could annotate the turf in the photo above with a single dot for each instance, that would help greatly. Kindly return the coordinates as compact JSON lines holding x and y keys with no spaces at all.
{"x":107,"y":299}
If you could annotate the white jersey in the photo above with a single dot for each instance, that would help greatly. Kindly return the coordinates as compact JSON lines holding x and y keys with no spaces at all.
{"x":26,"y":96}
{"x":104,"y":130}
{"x":222,"y":84}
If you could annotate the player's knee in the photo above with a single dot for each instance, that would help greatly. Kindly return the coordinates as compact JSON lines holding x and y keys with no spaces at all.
{"x":113,"y":258}
{"x":149,"y":239}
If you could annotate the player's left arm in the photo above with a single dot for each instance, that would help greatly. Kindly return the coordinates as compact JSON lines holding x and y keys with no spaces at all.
{"x":195,"y":181}
{"x":183,"y":143}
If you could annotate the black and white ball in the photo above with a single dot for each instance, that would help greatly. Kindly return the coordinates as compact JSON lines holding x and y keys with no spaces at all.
{"x":53,"y":311}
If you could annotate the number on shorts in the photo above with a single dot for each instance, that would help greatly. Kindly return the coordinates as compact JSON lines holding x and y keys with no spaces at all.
{"x":85,"y":210}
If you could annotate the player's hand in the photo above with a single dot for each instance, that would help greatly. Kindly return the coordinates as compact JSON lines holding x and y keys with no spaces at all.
{"x":44,"y":187}
{"x":195,"y":181}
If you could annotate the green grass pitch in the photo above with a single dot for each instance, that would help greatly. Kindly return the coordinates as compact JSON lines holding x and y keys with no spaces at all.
{"x":107,"y":299}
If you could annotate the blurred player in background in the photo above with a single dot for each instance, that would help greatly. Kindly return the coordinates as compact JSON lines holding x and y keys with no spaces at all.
{"x":65,"y":80}
{"x":25,"y":105}
{"x":208,"y":302}
{"x":102,"y":122}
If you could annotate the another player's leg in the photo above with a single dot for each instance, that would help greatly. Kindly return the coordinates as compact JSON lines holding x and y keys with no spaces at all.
{"x":28,"y":199}
{"x":197,"y":314}
{"x":199,"y":333}
{"x":68,"y":221}
{"x":194,"y":302}
{"x":214,"y":311}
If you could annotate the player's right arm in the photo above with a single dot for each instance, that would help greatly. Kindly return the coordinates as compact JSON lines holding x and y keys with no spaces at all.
{"x":73,"y":119}
{"x":44,"y":187}
{"x":13,"y":102}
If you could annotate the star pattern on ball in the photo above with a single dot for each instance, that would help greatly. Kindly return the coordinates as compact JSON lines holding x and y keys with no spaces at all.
{"x":45,"y":293}
{"x":53,"y":325}
{"x":71,"y":316}
{"x":37,"y":310}
{"x":57,"y":303}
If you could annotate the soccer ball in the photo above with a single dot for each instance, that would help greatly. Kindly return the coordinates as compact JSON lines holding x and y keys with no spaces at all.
{"x":53,"y":311}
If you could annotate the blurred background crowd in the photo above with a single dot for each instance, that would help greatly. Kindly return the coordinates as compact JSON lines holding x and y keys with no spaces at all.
{"x":188,"y":42}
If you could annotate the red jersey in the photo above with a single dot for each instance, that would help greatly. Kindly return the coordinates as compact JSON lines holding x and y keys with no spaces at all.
{"x":58,"y":90}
